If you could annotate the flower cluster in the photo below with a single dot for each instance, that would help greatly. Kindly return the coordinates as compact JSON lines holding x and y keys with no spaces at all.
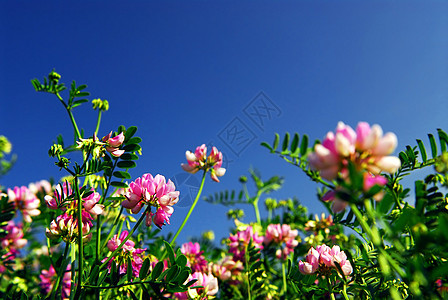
{"x":128,"y":250}
{"x":66,"y":225}
{"x":322,"y":223}
{"x":107,"y":143}
{"x":200,"y":161}
{"x":48,"y":279}
{"x":25,"y":201}
{"x":366,"y":148}
{"x":279,"y":234}
{"x":209,"y":288}
{"x":195,"y":260}
{"x":11,"y":242}
{"x":153,"y":191}
{"x":240,"y":241}
{"x":227,"y":269}
{"x":323,"y":259}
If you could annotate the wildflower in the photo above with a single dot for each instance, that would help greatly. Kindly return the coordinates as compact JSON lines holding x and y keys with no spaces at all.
{"x":324,"y":223}
{"x":42,"y":187}
{"x":113,"y":144}
{"x":279,"y":234}
{"x":127,"y":251}
{"x":48,"y":279}
{"x":153,"y":191}
{"x":195,"y":260}
{"x":209,"y":283}
{"x":367,"y":148}
{"x":200,"y":161}
{"x":240,"y":241}
{"x":92,"y":145}
{"x":25,"y":201}
{"x":323,"y":260}
{"x":14,"y":238}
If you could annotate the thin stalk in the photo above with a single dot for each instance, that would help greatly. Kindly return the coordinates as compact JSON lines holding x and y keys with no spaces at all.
{"x":191,"y":209}
{"x":376,"y":239}
{"x":127,"y":238}
{"x":98,"y":121}
{"x":80,"y":242}
{"x":285,"y":287}
{"x":255,"y":205}
{"x":330,"y":290}
{"x":60,"y":273}
{"x":98,"y":237}
{"x":72,"y":118}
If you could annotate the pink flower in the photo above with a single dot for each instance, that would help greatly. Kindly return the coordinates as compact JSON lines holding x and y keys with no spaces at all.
{"x":199,"y":161}
{"x":128,"y":250}
{"x":196,"y":261}
{"x":209,"y":283}
{"x":153,"y":191}
{"x":43,"y":186}
{"x":66,"y":227}
{"x":113,"y":144}
{"x":323,"y":259}
{"x":367,"y":148}
{"x":282,"y":234}
{"x":48,"y":279}
{"x":25,"y":201}
{"x":61,"y":192}
{"x":14,"y":238}
{"x":311,"y":262}
{"x":241,"y":239}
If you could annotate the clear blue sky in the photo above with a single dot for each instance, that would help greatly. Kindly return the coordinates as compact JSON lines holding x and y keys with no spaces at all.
{"x":185,"y":72}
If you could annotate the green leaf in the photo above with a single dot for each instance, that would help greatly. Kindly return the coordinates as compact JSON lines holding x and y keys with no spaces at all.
{"x":129,"y":269}
{"x":81,"y":87}
{"x":122,"y":174}
{"x":129,"y":156}
{"x":129,"y":133}
{"x":134,"y":297}
{"x":443,"y":138}
{"x":304,"y":145}
{"x":432,"y":141}
{"x":126,"y":164}
{"x":181,"y":260}
{"x":158,"y":268}
{"x":132,"y":148}
{"x":144,"y":269}
{"x":119,"y":184}
{"x":422,"y":150}
{"x":121,"y":128}
{"x":134,"y":140}
{"x":172,"y":273}
{"x":285,"y":143}
{"x":276,"y":141}
{"x":82,"y":94}
{"x":294,"y":143}
{"x":264,"y":144}
{"x":170,"y":253}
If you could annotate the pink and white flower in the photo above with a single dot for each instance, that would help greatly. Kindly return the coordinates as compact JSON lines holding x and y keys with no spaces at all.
{"x":48,"y":279}
{"x":195,"y":260}
{"x":240,"y":240}
{"x":153,"y":191}
{"x":113,"y":144}
{"x":200,"y":161}
{"x":282,"y":234}
{"x":323,"y":259}
{"x":25,"y":201}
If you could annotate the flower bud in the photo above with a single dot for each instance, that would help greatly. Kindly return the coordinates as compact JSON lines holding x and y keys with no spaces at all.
{"x":54,"y":77}
{"x":55,"y":150}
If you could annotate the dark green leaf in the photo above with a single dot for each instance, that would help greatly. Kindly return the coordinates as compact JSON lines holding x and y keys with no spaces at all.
{"x":144,"y":269}
{"x":170,"y":253}
{"x":134,"y":297}
{"x":122,"y":175}
{"x":129,"y":269}
{"x":304,"y":145}
{"x":172,"y":273}
{"x":129,"y":156}
{"x":134,"y":140}
{"x":285,"y":142}
{"x":443,"y":138}
{"x":158,"y":268}
{"x":422,"y":150}
{"x":132,"y":148}
{"x":294,"y":143}
{"x":126,"y":164}
{"x":119,"y":184}
{"x":432,"y":141}
{"x":276,"y":141}
{"x":181,"y":260}
{"x":264,"y":144}
{"x":129,"y":133}
{"x":82,"y":94}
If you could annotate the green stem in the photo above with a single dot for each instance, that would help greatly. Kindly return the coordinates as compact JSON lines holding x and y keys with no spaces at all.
{"x":72,"y":118}
{"x":191,"y":209}
{"x":80,"y":242}
{"x":330,"y":290}
{"x":285,"y":287}
{"x":60,"y":273}
{"x":344,"y":292}
{"x":127,"y":238}
{"x":375,"y":238}
{"x":255,"y":204}
{"x":98,"y":121}
{"x":98,"y":237}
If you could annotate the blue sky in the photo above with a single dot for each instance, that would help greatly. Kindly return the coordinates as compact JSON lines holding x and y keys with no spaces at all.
{"x":187,"y":72}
